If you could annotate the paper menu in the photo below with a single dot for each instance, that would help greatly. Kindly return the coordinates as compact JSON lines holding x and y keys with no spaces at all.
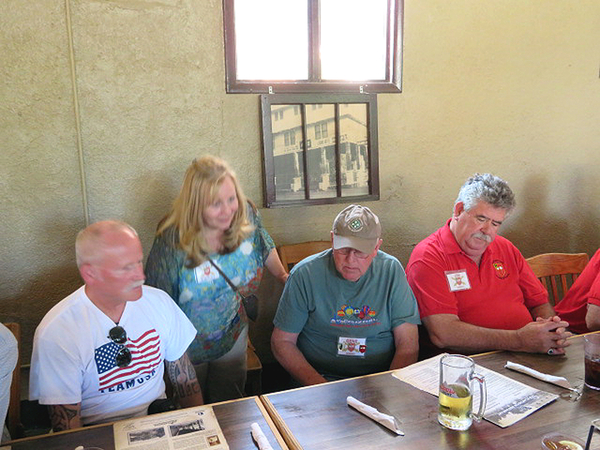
{"x":189,"y":429}
{"x":508,"y":400}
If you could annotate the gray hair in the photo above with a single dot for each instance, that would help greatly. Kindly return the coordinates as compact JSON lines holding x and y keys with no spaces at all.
{"x":487,"y":188}
{"x":92,"y":239}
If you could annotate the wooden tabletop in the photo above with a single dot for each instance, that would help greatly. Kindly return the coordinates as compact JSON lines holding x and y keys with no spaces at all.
{"x":235,"y":418}
{"x":317,"y":417}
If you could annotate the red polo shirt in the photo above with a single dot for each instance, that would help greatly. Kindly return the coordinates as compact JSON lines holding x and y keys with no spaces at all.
{"x":496,"y":294}
{"x":585,"y":290}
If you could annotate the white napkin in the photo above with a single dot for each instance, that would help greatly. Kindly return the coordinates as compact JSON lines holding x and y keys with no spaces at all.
{"x":559,"y":381}
{"x":384,"y":419}
{"x":259,"y":437}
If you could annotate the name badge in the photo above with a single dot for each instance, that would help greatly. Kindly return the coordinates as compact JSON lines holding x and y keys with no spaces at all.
{"x":205,"y":273}
{"x":349,"y":346}
{"x":457,"y":280}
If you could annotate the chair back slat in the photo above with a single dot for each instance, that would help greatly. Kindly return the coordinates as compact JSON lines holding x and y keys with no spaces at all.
{"x":554,"y":287}
{"x":564,"y":283}
{"x":558,"y":269}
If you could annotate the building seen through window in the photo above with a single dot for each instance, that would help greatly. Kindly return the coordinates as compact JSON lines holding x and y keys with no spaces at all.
{"x":305,"y":158}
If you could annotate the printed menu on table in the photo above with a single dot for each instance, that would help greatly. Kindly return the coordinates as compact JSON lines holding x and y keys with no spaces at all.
{"x":194,"y":428}
{"x":508,"y":400}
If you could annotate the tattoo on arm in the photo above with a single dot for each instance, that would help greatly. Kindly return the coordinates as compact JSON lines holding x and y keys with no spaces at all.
{"x":65,"y":417}
{"x":183,"y":378}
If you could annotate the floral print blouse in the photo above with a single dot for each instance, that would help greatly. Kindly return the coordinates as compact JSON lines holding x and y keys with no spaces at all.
{"x":203,"y":294}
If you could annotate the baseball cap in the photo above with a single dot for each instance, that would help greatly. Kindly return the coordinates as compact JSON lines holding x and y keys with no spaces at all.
{"x":356,"y":227}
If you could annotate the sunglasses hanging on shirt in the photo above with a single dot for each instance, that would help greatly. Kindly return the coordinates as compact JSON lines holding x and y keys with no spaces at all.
{"x":119,"y":336}
{"x":249,"y":302}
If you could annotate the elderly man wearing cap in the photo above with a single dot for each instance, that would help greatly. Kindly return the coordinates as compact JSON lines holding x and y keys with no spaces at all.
{"x":347,"y":311}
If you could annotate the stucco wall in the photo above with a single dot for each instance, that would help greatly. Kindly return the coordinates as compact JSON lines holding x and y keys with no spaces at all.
{"x":134,"y":90}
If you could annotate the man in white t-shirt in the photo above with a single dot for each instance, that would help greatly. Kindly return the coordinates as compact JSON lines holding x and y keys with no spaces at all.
{"x":100,"y":354}
{"x":8,"y":360}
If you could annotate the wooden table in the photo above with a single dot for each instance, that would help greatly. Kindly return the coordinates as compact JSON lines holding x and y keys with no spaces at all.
{"x":234,"y":418}
{"x":317,"y":417}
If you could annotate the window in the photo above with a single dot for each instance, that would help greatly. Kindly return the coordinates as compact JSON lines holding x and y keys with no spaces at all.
{"x":290,"y":137}
{"x":321,"y":130}
{"x":304,"y":46}
{"x":325,"y":154}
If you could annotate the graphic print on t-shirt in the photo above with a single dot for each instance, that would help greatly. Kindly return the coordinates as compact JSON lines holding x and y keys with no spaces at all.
{"x":145,"y":353}
{"x":350,"y":316}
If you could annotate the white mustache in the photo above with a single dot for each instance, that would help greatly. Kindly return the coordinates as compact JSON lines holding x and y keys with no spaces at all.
{"x":482,"y":236}
{"x":136,"y":284}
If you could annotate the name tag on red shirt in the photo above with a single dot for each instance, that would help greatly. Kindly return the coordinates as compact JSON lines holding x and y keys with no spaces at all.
{"x":457,"y":280}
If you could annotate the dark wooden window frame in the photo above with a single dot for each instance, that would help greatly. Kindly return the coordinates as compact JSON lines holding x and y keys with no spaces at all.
{"x":307,"y":99}
{"x":391,"y":84}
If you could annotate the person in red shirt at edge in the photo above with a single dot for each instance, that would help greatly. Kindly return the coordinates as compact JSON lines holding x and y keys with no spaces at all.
{"x":474,"y":288}
{"x":581,"y":304}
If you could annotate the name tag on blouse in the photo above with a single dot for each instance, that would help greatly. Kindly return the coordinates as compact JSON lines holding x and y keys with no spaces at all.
{"x":205,"y":272}
{"x":349,"y":346}
{"x":457,"y":280}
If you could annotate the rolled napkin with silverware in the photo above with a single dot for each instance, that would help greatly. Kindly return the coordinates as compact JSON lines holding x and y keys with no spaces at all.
{"x":386,"y":420}
{"x":559,"y":381}
{"x":259,"y":437}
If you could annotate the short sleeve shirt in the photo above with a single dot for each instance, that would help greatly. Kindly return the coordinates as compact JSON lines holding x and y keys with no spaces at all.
{"x":73,"y":359}
{"x":585,"y":290}
{"x":498,"y":293}
{"x":322,"y":306}
{"x":203,"y":294}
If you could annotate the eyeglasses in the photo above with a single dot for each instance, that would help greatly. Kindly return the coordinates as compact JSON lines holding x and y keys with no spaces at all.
{"x":119,"y":336}
{"x":346,"y":251}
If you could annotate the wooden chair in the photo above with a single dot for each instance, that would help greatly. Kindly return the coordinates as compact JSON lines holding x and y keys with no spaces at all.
{"x":294,"y":253}
{"x":13,"y":419}
{"x":253,"y":371}
{"x":558,"y":271}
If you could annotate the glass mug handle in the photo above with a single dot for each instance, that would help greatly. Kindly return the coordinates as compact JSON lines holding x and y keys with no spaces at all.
{"x":482,"y":397}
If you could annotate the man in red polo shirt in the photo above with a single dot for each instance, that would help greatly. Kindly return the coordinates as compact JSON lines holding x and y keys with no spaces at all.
{"x":474,"y":289}
{"x":581,"y":305}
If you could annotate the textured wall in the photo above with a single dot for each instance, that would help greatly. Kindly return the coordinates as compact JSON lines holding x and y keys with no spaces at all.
{"x":510,"y":87}
{"x":40,"y":190}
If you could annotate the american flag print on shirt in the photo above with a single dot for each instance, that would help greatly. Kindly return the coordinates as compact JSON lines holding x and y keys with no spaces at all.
{"x":145,"y":353}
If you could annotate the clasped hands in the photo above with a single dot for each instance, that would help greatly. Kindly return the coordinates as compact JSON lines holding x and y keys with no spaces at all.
{"x":546,"y":335}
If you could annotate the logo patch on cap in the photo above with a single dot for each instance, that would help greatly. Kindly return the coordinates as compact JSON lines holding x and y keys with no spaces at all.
{"x":355,"y":225}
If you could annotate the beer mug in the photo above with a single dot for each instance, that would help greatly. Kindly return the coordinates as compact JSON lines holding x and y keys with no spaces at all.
{"x":456,"y":396}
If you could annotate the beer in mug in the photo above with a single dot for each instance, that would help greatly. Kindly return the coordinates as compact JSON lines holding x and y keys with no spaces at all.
{"x":456,"y":404}
{"x":455,"y":397}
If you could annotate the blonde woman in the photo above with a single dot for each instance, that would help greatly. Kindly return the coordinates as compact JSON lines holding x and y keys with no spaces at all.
{"x":212,"y":220}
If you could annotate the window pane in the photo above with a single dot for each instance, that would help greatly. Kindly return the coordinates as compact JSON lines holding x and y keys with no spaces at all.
{"x":320,"y":124}
{"x":287,"y":152}
{"x":354,"y":148}
{"x":271,"y":39}
{"x":354,"y":39}
{"x":304,"y":163}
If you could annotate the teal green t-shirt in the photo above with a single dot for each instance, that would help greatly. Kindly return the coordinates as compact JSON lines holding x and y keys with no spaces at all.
{"x":329,"y":311}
